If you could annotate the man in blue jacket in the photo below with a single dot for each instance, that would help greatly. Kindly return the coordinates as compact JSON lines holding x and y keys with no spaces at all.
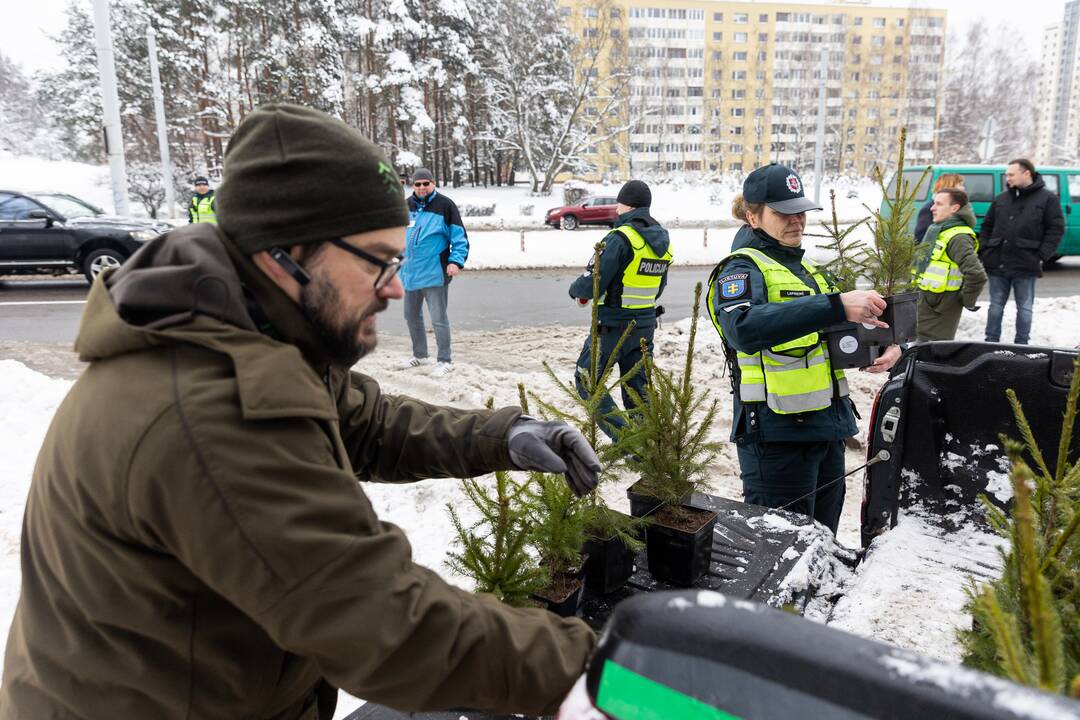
{"x":633,"y":272}
{"x":436,"y":248}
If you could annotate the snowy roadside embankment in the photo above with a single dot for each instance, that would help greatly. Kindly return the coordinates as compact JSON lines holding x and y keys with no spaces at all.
{"x":679,"y":201}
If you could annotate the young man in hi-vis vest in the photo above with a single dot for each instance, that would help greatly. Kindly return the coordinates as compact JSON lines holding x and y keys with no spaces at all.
{"x":953,"y":276}
{"x":633,"y":272}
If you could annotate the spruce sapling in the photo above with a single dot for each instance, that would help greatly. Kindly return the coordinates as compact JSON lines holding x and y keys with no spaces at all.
{"x":1027,"y":623}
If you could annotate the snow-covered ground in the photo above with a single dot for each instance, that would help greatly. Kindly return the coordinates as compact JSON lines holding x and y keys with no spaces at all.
{"x":491,"y":364}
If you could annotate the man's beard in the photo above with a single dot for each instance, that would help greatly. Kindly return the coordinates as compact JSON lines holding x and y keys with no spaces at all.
{"x":341,"y":337}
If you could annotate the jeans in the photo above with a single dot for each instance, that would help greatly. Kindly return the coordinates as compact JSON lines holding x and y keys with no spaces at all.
{"x":775,"y":474}
{"x":629,"y":355}
{"x":1023,"y":288}
{"x":436,"y":298}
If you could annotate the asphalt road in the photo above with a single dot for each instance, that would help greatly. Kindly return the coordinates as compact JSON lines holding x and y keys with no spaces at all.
{"x":48,"y":311}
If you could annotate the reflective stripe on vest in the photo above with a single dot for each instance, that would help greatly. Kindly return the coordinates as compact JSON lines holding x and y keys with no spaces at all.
{"x":642,"y":275}
{"x":203,"y":209}
{"x":942,"y":274}
{"x":795,"y":376}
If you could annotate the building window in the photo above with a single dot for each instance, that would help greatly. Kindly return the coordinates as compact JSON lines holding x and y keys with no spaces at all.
{"x":858,"y":21}
{"x":762,"y":56}
{"x":739,"y":55}
{"x":740,"y":37}
{"x":898,"y":40}
{"x":763,"y":37}
{"x":590,"y":12}
{"x":763,"y":17}
{"x":760,"y":75}
{"x":718,"y":17}
{"x":737,"y":130}
{"x":879,"y":22}
{"x":759,"y":112}
{"x":737,"y":112}
{"x":718,"y":36}
{"x":564,"y":11}
{"x":738,"y":74}
{"x":899,"y":22}
{"x":741,"y":18}
{"x":877,"y":41}
{"x":738,"y":94}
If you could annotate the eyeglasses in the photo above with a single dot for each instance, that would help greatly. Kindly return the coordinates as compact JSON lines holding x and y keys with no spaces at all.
{"x":423,"y":183}
{"x":387,"y":270}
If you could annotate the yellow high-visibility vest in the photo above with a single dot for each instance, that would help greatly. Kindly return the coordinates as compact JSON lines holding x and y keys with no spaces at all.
{"x":796,"y":376}
{"x":942,"y":274}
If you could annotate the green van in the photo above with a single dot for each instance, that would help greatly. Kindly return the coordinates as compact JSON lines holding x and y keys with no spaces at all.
{"x":983,"y":182}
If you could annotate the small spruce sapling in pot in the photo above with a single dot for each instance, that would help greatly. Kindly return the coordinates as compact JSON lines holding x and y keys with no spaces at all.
{"x":612,"y":537}
{"x":886,"y":264}
{"x":494,"y":551}
{"x":668,"y":446}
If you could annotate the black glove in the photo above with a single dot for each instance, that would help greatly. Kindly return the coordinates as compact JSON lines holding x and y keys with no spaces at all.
{"x":554,"y":447}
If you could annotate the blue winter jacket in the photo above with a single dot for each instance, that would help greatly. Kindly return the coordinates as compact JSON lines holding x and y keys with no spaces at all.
{"x":434,"y":239}
{"x":751,"y":324}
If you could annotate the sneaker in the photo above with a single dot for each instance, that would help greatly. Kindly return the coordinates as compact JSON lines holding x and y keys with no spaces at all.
{"x":441,"y":369}
{"x":414,"y":362}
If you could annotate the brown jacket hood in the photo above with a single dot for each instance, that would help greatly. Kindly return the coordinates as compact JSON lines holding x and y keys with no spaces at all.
{"x":196,"y":543}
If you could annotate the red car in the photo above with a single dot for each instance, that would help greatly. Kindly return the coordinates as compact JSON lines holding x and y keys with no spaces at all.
{"x":590,"y":211}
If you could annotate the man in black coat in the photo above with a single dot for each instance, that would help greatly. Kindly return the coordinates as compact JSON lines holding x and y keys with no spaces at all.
{"x":1021,"y":230}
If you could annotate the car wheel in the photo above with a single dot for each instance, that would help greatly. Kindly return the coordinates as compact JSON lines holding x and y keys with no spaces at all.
{"x":569,"y":222}
{"x":101,"y":260}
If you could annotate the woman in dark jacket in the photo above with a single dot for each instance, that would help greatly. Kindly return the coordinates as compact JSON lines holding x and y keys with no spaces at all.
{"x":792,"y":412}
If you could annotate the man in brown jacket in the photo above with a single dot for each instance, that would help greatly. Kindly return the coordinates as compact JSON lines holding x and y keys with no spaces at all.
{"x":196,"y":543}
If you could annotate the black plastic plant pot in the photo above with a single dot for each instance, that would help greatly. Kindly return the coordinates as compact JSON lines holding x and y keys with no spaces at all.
{"x":902,"y":315}
{"x":563,"y":597}
{"x":853,"y":345}
{"x":680,"y":556}
{"x":610,"y":565}
{"x":642,"y":504}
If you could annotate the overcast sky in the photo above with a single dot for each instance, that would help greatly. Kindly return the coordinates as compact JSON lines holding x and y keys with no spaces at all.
{"x":27,"y":24}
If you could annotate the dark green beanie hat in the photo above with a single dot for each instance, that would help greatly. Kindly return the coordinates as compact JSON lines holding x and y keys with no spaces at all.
{"x":295,"y":175}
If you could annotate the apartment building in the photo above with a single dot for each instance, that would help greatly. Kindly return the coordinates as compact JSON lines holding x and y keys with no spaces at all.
{"x":1057,"y":120}
{"x":726,"y":86}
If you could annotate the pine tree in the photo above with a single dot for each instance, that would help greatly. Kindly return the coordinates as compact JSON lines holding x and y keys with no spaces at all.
{"x":888,"y":261}
{"x":1027,"y":623}
{"x":586,"y":416}
{"x":847,"y":265}
{"x":495,"y":549}
{"x":668,"y":441}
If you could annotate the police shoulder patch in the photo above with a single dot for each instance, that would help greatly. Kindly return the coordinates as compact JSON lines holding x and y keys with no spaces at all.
{"x":734,"y":286}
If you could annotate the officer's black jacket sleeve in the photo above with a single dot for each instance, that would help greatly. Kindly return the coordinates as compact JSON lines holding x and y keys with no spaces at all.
{"x":752,"y":324}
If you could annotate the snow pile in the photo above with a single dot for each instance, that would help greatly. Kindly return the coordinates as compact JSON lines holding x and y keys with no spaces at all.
{"x":27,"y":403}
{"x":910,"y":589}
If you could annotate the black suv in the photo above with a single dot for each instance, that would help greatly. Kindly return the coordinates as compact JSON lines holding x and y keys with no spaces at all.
{"x":52,"y":232}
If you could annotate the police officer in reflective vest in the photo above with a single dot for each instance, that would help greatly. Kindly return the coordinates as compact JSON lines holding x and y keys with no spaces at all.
{"x":201,"y":208}
{"x":633,"y":271}
{"x":769,"y":303}
{"x":954,"y":276}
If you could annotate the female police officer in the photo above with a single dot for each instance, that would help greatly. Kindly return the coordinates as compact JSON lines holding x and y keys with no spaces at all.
{"x":768,"y":302}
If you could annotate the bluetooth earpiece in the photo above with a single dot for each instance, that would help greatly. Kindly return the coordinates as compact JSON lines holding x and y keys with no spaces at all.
{"x":293,"y":268}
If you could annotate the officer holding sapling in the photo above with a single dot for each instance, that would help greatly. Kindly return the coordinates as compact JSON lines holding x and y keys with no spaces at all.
{"x":770,"y":303}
